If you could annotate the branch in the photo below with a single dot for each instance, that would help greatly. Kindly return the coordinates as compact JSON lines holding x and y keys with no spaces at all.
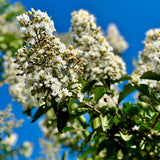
{"x":148,"y":154}
{"x":156,"y":121}
{"x":88,"y":105}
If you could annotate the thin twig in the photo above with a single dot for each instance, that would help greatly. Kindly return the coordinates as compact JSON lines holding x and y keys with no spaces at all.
{"x":149,"y":155}
{"x":88,"y":105}
{"x":80,"y":129}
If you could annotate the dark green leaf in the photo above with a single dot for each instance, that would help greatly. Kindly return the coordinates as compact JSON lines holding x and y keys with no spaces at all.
{"x":62,"y":116}
{"x":157,"y":126}
{"x":127,"y":89}
{"x":28,"y":112}
{"x":87,"y":85}
{"x":151,"y":75}
{"x":64,"y":156}
{"x":41,"y":110}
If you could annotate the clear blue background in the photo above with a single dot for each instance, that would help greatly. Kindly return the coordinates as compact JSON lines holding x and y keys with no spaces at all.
{"x":132,"y":17}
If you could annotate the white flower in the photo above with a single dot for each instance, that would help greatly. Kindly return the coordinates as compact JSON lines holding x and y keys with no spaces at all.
{"x":135,"y":128}
{"x":115,"y":39}
{"x":11,"y":140}
{"x":157,"y":69}
{"x":28,"y":148}
{"x":23,"y":17}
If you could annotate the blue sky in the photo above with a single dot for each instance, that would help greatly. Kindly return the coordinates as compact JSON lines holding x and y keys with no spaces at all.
{"x":132,"y":17}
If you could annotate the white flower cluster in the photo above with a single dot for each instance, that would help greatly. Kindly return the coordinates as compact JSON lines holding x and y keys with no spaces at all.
{"x":8,"y":122}
{"x":49,"y":149}
{"x":48,"y":66}
{"x":17,"y":86}
{"x":149,"y":58}
{"x":35,"y":26}
{"x":98,"y":58}
{"x":115,"y":39}
{"x":8,"y":138}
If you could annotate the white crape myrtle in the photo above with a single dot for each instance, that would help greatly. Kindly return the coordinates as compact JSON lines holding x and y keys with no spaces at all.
{"x":27,"y":149}
{"x":98,"y":58}
{"x":11,"y":140}
{"x":115,"y":39}
{"x":8,"y":122}
{"x":8,"y":138}
{"x":17,"y":86}
{"x":149,"y":59}
{"x":45,"y":62}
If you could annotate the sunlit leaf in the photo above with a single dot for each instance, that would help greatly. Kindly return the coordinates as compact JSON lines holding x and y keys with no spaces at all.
{"x":123,"y":78}
{"x":125,"y":137}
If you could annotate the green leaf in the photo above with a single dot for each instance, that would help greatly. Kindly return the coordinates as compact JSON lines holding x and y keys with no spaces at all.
{"x":64,"y":156}
{"x":98,"y":93}
{"x":127,"y":89}
{"x":125,"y":137}
{"x":75,"y":110}
{"x":127,"y":107}
{"x":96,"y":122}
{"x":157,"y":126}
{"x":151,"y":75}
{"x":41,"y":110}
{"x":87,"y":85}
{"x":116,"y":119}
{"x":7,"y":133}
{"x":151,"y":93}
{"x":143,"y":88}
{"x":123,"y":78}
{"x":104,"y":122}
